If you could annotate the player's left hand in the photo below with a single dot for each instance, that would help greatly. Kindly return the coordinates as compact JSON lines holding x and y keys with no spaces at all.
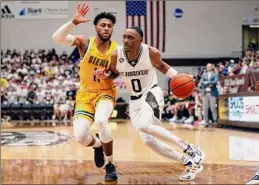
{"x":101,"y":74}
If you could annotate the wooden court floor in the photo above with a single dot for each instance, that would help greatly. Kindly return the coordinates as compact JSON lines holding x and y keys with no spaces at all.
{"x":49,"y":155}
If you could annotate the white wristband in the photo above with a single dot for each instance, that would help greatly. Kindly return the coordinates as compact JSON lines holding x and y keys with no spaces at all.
{"x":171,"y":72}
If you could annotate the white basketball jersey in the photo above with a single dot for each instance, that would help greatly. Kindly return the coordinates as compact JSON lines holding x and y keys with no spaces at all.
{"x":139,"y":75}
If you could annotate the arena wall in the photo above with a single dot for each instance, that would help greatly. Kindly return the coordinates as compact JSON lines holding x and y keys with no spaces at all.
{"x":206,"y":29}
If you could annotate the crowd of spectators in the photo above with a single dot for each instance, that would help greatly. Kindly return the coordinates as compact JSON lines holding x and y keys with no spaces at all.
{"x":39,"y":77}
{"x":44,"y":77}
{"x":190,"y":110}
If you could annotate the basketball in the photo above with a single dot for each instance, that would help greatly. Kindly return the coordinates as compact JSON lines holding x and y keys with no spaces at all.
{"x":182,"y":85}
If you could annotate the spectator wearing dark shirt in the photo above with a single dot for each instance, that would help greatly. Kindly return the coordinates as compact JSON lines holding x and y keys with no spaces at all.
{"x":31,"y":97}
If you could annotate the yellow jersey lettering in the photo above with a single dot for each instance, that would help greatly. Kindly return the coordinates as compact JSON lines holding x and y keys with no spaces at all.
{"x":94,"y":60}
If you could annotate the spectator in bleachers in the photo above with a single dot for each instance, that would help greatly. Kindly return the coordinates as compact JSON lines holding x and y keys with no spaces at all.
{"x":22,"y":93}
{"x":11,"y":95}
{"x":252,"y":61}
{"x":190,"y":107}
{"x":225,"y":90}
{"x":3,"y":90}
{"x":182,"y":110}
{"x":48,"y":95}
{"x":63,"y":108}
{"x":223,"y":71}
{"x":71,"y":105}
{"x":257,"y":62}
{"x":231,"y":67}
{"x":56,"y":114}
{"x":31,"y":96}
{"x":177,"y":109}
{"x":166,"y":114}
{"x":244,"y":68}
{"x":72,"y":92}
{"x":237,"y":68}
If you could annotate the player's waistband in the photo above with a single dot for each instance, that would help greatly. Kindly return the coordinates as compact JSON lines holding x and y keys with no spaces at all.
{"x":139,"y":96}
{"x":96,"y":90}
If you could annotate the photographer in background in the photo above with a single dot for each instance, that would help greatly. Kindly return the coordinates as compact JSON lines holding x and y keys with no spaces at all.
{"x":210,"y":93}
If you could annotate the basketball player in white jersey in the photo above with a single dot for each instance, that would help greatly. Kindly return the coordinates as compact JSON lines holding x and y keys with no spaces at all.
{"x":137,"y":64}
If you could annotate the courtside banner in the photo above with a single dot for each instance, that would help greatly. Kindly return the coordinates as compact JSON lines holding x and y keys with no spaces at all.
{"x":244,"y":108}
{"x":34,"y":10}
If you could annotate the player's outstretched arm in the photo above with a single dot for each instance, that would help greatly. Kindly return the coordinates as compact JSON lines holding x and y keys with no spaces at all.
{"x":161,"y":66}
{"x":62,"y":36}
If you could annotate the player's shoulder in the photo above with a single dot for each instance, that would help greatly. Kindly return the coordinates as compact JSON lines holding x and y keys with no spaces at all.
{"x":153,"y":51}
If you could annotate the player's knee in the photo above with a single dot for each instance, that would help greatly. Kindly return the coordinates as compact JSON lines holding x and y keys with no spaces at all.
{"x":100,"y":123}
{"x":105,"y":134}
{"x":83,"y":139}
{"x":104,"y":130}
{"x":82,"y":136}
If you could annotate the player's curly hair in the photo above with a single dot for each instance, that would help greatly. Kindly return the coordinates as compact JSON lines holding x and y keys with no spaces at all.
{"x":104,"y":15}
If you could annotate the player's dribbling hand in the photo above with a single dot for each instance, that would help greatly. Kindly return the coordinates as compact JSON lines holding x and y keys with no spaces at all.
{"x":100,"y":74}
{"x":81,"y":11}
{"x":191,"y":76}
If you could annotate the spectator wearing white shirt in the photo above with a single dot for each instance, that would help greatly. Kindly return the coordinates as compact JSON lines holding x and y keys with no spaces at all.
{"x":22,"y":94}
{"x":36,"y":59}
{"x":64,"y":108}
{"x":12,"y":96}
{"x":244,"y":68}
{"x":231,"y":66}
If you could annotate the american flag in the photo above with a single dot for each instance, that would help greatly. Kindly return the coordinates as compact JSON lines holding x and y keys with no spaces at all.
{"x":150,"y":16}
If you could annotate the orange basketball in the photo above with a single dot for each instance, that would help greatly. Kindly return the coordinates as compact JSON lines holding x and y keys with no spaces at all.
{"x":182,"y":85}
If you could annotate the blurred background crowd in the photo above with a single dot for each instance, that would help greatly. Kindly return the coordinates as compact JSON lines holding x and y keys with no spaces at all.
{"x":201,"y":107}
{"x":44,"y":77}
{"x":39,"y":77}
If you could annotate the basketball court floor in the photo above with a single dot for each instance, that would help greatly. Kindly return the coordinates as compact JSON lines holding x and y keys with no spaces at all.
{"x":49,"y":155}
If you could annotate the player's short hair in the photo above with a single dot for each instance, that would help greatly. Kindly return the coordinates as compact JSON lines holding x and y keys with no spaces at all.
{"x":137,"y":29}
{"x":104,"y":15}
